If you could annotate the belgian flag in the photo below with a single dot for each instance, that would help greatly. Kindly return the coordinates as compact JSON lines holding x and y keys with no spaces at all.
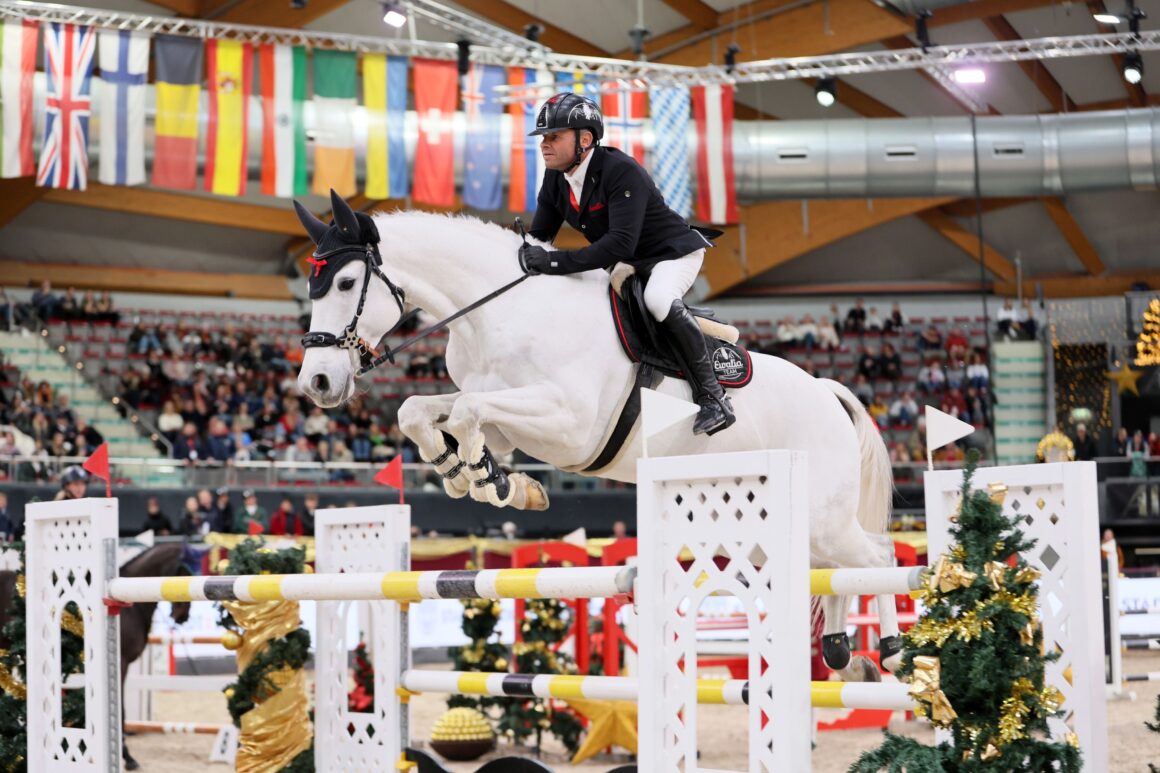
{"x":178,"y":64}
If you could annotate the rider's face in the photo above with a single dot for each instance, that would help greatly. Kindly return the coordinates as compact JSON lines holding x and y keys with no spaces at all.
{"x":559,"y":149}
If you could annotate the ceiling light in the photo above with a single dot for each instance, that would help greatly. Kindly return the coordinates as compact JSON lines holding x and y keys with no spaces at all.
{"x":1107,"y":18}
{"x":826,"y":91}
{"x":394,"y":14}
{"x":1133,"y":67}
{"x":970,"y":75}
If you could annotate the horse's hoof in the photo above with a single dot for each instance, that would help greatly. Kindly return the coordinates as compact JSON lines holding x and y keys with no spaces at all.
{"x":528,"y":493}
{"x":861,"y":669}
{"x":454,"y":489}
{"x":132,"y":764}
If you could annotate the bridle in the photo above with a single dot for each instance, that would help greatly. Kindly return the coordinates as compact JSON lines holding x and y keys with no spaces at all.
{"x":350,"y":340}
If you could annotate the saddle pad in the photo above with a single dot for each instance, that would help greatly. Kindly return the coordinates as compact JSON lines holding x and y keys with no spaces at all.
{"x":642,"y":341}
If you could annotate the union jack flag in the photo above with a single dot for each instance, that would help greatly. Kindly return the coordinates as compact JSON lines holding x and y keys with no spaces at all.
{"x":68,"y":65}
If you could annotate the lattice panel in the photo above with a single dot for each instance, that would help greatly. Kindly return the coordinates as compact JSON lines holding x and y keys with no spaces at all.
{"x":736,"y":524}
{"x":360,"y":539}
{"x":1056,"y":506}
{"x":66,"y":564}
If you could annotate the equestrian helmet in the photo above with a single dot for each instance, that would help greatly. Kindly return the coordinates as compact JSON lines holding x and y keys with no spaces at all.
{"x":569,"y":110}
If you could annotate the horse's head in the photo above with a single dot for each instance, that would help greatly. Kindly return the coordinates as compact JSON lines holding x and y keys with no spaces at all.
{"x":354,"y":304}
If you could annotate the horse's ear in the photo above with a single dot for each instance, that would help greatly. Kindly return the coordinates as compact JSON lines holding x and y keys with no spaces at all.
{"x":314,"y":227}
{"x":344,"y":217}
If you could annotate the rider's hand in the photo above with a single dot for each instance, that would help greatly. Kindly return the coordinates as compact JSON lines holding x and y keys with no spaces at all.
{"x":536,"y":260}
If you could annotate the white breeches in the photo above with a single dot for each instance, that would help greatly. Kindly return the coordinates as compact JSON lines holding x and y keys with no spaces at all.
{"x":669,"y":281}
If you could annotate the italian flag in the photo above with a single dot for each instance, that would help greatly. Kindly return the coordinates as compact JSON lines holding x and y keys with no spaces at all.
{"x":283,"y":87}
{"x":335,"y":91}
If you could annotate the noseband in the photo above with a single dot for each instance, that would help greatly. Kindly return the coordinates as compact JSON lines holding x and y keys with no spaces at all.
{"x":350,"y":340}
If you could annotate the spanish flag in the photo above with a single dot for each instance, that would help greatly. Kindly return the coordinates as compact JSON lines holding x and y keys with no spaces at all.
{"x":177,"y":62}
{"x":228,"y":79}
{"x":335,"y":90}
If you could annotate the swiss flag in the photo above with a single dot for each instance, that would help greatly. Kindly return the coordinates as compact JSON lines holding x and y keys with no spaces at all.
{"x":436,"y":90}
{"x":716,"y":190}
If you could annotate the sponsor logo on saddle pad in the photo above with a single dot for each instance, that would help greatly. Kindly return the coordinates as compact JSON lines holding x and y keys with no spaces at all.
{"x":727,"y":364}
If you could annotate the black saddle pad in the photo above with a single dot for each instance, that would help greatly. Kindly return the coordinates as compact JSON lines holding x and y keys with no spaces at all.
{"x":643,"y":339}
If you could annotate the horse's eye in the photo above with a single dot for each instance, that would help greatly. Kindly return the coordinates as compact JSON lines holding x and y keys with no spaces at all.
{"x":346,"y":285}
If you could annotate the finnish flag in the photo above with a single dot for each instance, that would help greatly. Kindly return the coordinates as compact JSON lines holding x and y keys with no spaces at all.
{"x":124,"y":59}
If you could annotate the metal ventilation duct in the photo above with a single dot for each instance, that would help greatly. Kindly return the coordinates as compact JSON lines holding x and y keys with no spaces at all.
{"x":1036,"y":155}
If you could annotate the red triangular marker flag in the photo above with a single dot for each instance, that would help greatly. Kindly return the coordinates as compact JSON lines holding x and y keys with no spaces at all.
{"x":98,"y":466}
{"x":255,"y":528}
{"x":392,"y":475}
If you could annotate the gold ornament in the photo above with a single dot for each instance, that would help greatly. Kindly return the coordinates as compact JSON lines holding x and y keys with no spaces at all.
{"x":72,"y":624}
{"x":229,"y":693}
{"x":610,"y":723}
{"x":462,"y":724}
{"x":231,"y":640}
{"x":1027,"y":574}
{"x":990,"y":752}
{"x":998,"y":548}
{"x":995,"y":572}
{"x":1072,"y":740}
{"x":997,"y":492}
{"x":1125,"y":378}
{"x":501,"y":664}
{"x":223,"y":566}
{"x":1027,"y":634}
{"x":307,"y":569}
{"x":20,"y":586}
{"x":1051,"y":699}
{"x":925,"y":689}
{"x":1055,"y":447}
{"x":9,"y":684}
{"x":948,"y":575}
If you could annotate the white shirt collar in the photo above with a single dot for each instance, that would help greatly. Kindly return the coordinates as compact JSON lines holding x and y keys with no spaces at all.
{"x":575,"y":178}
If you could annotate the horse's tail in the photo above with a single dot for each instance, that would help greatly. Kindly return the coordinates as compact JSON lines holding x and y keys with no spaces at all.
{"x":876,"y":496}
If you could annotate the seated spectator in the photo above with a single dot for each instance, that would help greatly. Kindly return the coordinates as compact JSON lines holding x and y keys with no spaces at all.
{"x":169,"y":421}
{"x":105,"y":310}
{"x":916,"y":441}
{"x":1028,"y":321}
{"x":956,"y":373}
{"x":955,"y":404}
{"x":243,"y":446}
{"x":868,"y":363}
{"x":69,"y":308}
{"x":92,"y":436}
{"x":300,"y":452}
{"x":360,"y":445}
{"x":889,"y":363}
{"x":807,"y":332}
{"x":419,"y":366}
{"x":316,"y":425}
{"x":195,"y":522}
{"x":285,"y":520}
{"x":931,"y":377}
{"x":81,"y":447}
{"x":787,"y":332}
{"x":155,"y":520}
{"x":957,"y":344}
{"x":8,"y":447}
{"x":341,"y":454}
{"x":1006,"y":320}
{"x":896,"y":322}
{"x":142,"y":340}
{"x":879,"y":411}
{"x":978,"y":374}
{"x":89,"y":306}
{"x":1153,"y":445}
{"x":950,"y":453}
{"x":873,"y":321}
{"x":189,"y":447}
{"x":828,"y":337}
{"x":252,"y":518}
{"x":44,"y":303}
{"x":855,"y":318}
{"x":1122,"y":441}
{"x":862,"y":389}
{"x":1085,"y":444}
{"x":219,"y":442}
{"x":225,"y":511}
{"x":930,"y":340}
{"x":904,"y":409}
{"x":59,"y":446}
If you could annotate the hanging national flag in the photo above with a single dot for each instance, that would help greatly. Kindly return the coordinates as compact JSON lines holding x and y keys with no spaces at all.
{"x":177,"y":69}
{"x":18,"y":54}
{"x":124,"y":66}
{"x":228,"y":75}
{"x":334,"y":102}
{"x":482,"y":180}
{"x":527,"y":165}
{"x":436,"y":87}
{"x":669,"y":106}
{"x":283,"y":83}
{"x":580,"y":82}
{"x":68,"y":66}
{"x":716,"y":192}
{"x":385,"y":100}
{"x":624,"y":122}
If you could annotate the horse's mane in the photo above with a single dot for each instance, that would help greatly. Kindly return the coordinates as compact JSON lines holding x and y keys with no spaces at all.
{"x":482,"y":229}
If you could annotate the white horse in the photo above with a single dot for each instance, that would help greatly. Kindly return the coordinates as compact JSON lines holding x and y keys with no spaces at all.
{"x":540,"y":369}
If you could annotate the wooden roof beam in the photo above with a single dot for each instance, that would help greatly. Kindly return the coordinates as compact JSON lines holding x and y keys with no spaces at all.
{"x":949,"y":229}
{"x":16,"y":195}
{"x":1079,"y":285}
{"x":1074,"y":235}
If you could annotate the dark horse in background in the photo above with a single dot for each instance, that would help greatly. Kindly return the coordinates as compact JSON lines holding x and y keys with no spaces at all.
{"x":167,"y":560}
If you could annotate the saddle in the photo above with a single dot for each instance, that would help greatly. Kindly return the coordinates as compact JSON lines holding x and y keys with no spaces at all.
{"x":644,"y":340}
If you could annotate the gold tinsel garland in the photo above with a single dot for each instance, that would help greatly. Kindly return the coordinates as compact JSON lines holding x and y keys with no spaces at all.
{"x":278,"y":728}
{"x":8,"y":682}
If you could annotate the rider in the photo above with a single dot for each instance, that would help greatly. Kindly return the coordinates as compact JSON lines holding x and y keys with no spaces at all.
{"x":73,"y":483}
{"x":610,"y":199}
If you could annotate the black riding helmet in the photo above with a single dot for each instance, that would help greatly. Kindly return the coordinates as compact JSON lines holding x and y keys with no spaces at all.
{"x":569,"y":110}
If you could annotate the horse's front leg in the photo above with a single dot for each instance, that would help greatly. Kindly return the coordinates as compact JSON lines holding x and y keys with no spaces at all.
{"x":537,"y":409}
{"x":419,"y":419}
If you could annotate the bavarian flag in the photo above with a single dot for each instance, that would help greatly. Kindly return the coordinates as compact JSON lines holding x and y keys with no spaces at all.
{"x":177,"y":68}
{"x":228,"y":80}
{"x":335,"y":90}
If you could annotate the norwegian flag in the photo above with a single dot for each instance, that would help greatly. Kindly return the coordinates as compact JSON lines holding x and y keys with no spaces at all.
{"x":624,"y":122}
{"x":68,"y":65}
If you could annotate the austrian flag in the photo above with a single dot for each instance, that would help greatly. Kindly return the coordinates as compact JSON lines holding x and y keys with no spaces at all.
{"x":68,"y":66}
{"x":716,"y":191}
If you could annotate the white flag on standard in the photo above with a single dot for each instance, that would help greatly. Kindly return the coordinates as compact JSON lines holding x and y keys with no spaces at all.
{"x":659,"y":412}
{"x":942,"y":428}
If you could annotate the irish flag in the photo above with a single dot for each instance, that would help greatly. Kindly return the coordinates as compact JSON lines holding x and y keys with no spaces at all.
{"x":334,"y":103}
{"x":283,"y":86}
{"x":18,"y":55}
{"x":228,"y":81}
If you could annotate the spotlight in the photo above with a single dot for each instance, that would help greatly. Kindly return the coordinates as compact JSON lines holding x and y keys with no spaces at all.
{"x":637,"y":35}
{"x":298,"y":5}
{"x":533,"y":31}
{"x":731,"y":57}
{"x":970,"y":75}
{"x":920,"y":30}
{"x":1133,"y":67}
{"x":1107,"y":18}
{"x":464,"y":56}
{"x":826,"y":91}
{"x":394,"y":14}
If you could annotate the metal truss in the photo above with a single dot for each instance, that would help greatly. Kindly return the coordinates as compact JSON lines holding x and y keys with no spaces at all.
{"x":476,"y":30}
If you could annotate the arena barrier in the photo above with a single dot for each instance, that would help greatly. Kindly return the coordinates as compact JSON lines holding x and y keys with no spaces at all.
{"x":750,"y":506}
{"x":1118,"y":643}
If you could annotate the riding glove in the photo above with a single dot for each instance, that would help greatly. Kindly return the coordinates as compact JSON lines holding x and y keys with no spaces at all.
{"x":537,"y":260}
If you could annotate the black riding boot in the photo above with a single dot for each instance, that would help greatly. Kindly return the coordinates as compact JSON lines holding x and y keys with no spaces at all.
{"x":716,"y":411}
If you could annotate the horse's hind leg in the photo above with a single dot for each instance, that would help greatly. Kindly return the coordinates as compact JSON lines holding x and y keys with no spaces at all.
{"x":418,"y":419}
